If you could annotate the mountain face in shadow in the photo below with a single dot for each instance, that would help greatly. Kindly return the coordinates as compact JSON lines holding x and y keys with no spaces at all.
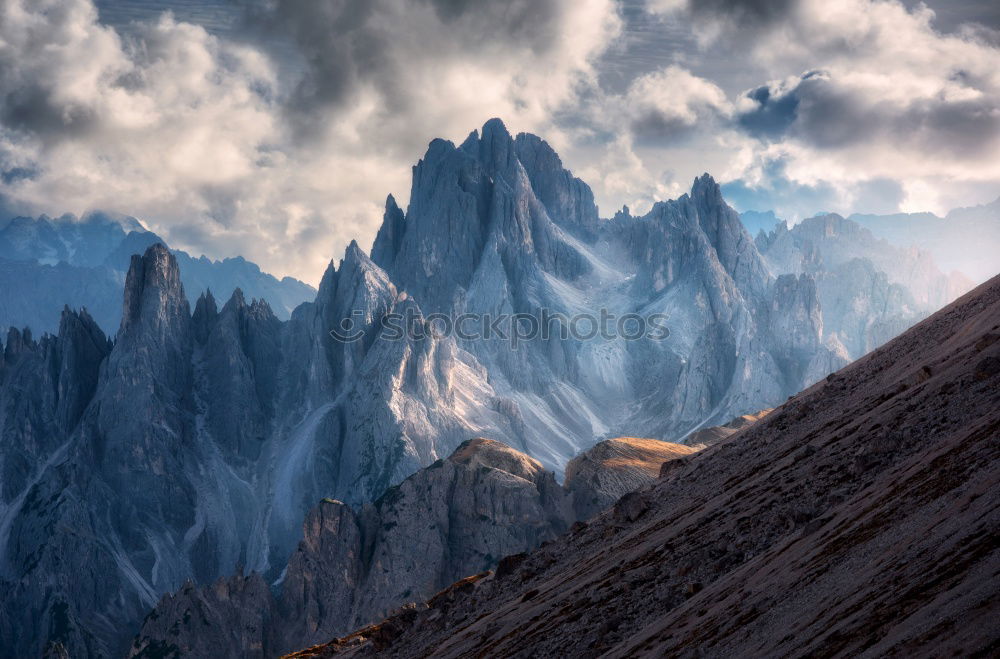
{"x":484,"y":502}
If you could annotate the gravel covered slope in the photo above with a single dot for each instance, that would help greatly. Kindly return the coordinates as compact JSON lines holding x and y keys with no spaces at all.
{"x":860,"y":518}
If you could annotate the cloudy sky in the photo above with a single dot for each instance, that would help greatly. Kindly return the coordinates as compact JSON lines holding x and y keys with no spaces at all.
{"x":275,"y":128}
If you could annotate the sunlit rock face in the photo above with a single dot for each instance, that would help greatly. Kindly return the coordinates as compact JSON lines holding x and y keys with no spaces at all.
{"x":601,"y":475}
{"x":196,"y":443}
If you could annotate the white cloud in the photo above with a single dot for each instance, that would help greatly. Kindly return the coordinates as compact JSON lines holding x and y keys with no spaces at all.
{"x":887,"y":96}
{"x":667,"y":104}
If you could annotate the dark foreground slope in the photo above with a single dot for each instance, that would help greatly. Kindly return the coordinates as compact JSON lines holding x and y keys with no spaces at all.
{"x":860,"y":518}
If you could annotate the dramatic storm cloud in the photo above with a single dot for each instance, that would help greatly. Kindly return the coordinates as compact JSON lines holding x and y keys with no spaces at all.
{"x":274,"y":129}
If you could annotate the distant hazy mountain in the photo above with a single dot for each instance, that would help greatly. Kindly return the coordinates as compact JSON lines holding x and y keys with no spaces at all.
{"x":869,"y":289}
{"x":967,"y":239}
{"x":46,"y":263}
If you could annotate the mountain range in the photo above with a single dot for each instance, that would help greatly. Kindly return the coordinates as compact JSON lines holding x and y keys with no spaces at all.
{"x":965,"y":239}
{"x":192,"y":444}
{"x":46,"y":263}
{"x":964,"y":243}
{"x":869,"y":289}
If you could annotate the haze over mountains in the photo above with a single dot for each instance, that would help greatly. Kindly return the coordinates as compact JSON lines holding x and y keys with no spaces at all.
{"x":964,"y":243}
{"x":194,"y":443}
{"x":966,"y":239}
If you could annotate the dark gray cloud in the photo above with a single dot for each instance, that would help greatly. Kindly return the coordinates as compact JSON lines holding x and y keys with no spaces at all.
{"x":968,"y":128}
{"x":745,"y":13}
{"x":334,"y":39}
{"x":523,"y":21}
{"x":30,"y":104}
{"x":15,"y":174}
{"x":653,"y":128}
{"x":950,"y":15}
{"x":824,"y":113}
{"x":772,"y":115}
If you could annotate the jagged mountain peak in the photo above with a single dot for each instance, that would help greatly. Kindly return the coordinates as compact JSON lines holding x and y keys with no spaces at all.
{"x":237,"y":306}
{"x":705,"y":185}
{"x":260,"y":308}
{"x":493,"y":194}
{"x":353,"y":275}
{"x":568,"y":200}
{"x":205,"y":313}
{"x":236,"y":301}
{"x":493,"y":147}
{"x":390,"y":234}
{"x":354,"y":256}
{"x":359,"y":274}
{"x":471,"y":143}
{"x":83,"y":319}
{"x":207,"y":299}
{"x":622,"y":215}
{"x":496,"y":147}
{"x":18,"y":340}
{"x":153,"y":290}
{"x":390,"y":202}
{"x":495,"y":128}
{"x":81,"y":347}
{"x":328,"y":282}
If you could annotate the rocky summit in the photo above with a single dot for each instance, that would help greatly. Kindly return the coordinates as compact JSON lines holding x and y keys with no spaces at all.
{"x":192,"y":445}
